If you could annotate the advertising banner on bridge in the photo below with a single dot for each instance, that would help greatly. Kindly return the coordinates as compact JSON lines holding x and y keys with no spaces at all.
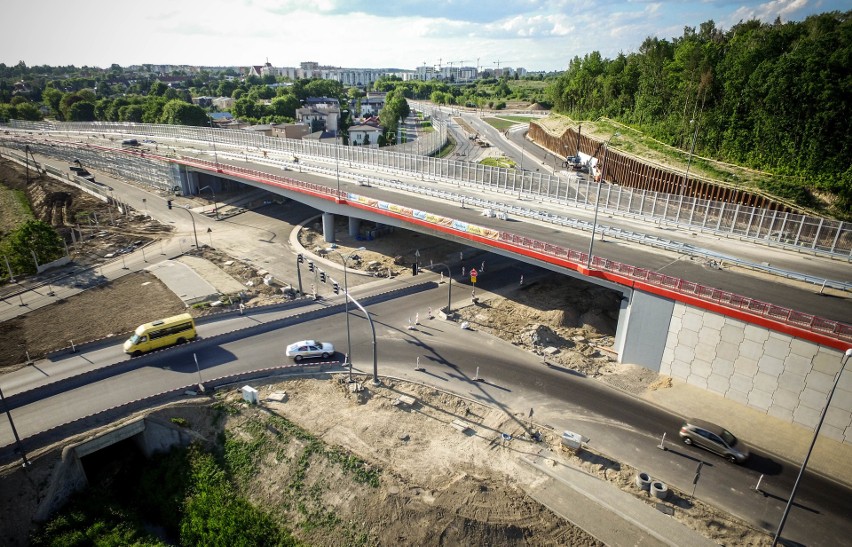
{"x":429,"y":217}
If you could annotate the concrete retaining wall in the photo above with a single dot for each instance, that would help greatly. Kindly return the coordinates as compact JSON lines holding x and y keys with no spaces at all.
{"x":785,"y":377}
{"x":150,"y":435}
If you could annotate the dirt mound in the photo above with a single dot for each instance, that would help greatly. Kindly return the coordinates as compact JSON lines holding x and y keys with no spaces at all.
{"x":569,"y":323}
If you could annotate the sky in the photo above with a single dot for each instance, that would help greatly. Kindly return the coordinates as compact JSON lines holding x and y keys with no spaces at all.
{"x":533,"y":34}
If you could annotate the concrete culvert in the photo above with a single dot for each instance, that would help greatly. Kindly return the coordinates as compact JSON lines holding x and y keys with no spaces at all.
{"x":660,"y":490}
{"x":643,"y":481}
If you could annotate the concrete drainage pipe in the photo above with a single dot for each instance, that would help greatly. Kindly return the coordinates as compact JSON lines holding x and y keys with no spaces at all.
{"x":643,"y":481}
{"x":659,"y":490}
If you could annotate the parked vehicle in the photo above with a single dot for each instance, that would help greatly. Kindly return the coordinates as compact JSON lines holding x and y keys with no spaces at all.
{"x":310,"y":348}
{"x":161,"y":333}
{"x":714,"y":438}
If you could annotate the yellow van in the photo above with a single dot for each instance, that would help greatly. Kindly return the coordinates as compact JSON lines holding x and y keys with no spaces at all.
{"x":159,"y":334}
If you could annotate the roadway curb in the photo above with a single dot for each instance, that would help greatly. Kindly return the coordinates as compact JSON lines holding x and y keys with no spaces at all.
{"x":299,"y":248}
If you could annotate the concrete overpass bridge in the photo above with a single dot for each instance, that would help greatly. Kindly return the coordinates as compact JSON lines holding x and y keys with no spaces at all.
{"x":771,"y":357}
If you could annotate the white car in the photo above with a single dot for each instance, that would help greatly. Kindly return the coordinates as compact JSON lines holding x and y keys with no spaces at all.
{"x":310,"y":348}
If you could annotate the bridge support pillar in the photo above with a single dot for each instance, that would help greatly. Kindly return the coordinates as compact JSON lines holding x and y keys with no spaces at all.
{"x":328,"y":227}
{"x":643,"y":327}
{"x":354,"y":227}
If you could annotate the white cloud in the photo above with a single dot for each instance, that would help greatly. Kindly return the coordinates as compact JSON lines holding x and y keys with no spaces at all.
{"x":534,"y":34}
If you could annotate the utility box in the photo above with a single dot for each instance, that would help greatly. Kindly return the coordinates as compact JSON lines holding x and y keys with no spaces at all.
{"x":249,"y":394}
{"x":572,"y":441}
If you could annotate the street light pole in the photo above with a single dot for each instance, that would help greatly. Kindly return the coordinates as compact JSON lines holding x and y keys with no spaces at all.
{"x":843,"y":361}
{"x":449,"y":287}
{"x":597,"y":201}
{"x":186,"y":208}
{"x":346,"y":305}
{"x":213,"y":142}
{"x":523,"y":147}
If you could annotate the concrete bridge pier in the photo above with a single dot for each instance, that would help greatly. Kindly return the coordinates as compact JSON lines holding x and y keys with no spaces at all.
{"x":354,"y":227}
{"x":328,"y":227}
{"x":643,"y":325}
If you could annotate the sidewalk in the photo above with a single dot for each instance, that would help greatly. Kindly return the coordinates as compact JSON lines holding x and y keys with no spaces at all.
{"x":778,"y":437}
{"x":605,"y":511}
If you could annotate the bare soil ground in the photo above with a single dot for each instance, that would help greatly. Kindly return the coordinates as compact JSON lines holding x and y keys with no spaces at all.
{"x":97,"y":313}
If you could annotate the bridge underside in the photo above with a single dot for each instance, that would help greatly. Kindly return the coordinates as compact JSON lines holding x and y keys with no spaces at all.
{"x":643,"y":320}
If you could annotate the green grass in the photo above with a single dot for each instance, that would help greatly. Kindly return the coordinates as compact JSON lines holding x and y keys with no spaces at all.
{"x":516,"y":118}
{"x":499,"y":123}
{"x":646,"y":148}
{"x":15,"y":209}
{"x":499,"y":162}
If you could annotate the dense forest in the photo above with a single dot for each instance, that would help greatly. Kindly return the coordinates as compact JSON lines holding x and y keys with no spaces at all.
{"x":774,"y":97}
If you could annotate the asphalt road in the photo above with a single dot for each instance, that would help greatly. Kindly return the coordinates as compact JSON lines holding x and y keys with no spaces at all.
{"x":625,"y":428}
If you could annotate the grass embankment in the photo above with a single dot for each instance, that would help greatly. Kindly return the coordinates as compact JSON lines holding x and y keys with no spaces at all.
{"x":14,"y":209}
{"x":633,"y":142}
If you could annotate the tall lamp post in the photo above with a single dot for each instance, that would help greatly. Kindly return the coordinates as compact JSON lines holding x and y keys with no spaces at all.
{"x":215,"y":206}
{"x":598,"y":200}
{"x":449,"y":287}
{"x":337,"y":155}
{"x":843,"y":361}
{"x":346,"y":304}
{"x":523,"y":147}
{"x":192,"y":218}
{"x":213,"y":142}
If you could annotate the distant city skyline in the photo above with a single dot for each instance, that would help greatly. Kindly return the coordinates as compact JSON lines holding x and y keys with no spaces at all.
{"x":538,"y":35}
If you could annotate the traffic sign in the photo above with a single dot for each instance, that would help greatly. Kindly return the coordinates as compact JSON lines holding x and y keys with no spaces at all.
{"x":473,"y":274}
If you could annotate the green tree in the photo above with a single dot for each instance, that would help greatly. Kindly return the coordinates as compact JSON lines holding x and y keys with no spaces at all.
{"x":28,"y":111}
{"x":246,"y":107}
{"x":82,"y":111}
{"x":34,"y":236}
{"x":158,"y":89}
{"x":285,"y":105}
{"x":131,"y":113}
{"x":226,"y":87}
{"x":7,"y":112}
{"x":153,"y":109}
{"x":396,"y":107}
{"x":177,"y":112}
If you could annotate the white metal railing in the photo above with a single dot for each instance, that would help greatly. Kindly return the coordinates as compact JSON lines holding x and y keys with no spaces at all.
{"x":789,"y":230}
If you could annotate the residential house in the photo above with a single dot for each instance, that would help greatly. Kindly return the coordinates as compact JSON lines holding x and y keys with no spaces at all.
{"x":372,"y":104}
{"x":291,"y":130}
{"x":365,"y":134}
{"x":224,"y":103}
{"x":320,"y":114}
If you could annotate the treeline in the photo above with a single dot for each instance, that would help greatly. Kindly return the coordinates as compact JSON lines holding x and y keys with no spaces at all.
{"x":774,"y":97}
{"x":485,"y":92}
{"x":87,"y":95}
